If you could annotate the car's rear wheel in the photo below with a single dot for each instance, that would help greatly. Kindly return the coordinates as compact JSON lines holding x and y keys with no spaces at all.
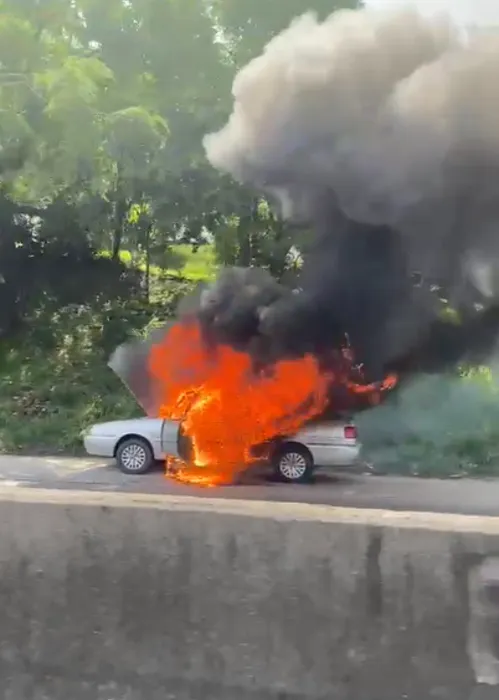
{"x":293,"y":463}
{"x":134,"y":456}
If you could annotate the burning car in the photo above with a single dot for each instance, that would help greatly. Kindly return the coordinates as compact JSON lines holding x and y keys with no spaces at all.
{"x":389,"y":189}
{"x":137,"y":444}
{"x":214,"y":412}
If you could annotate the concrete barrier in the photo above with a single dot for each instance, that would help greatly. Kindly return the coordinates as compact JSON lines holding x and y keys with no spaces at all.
{"x":114,"y":597}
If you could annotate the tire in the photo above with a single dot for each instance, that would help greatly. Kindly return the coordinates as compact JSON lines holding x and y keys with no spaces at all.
{"x":293,"y":463}
{"x":134,"y":456}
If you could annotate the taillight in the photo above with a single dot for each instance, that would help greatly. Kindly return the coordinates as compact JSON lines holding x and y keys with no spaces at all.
{"x":350,"y":432}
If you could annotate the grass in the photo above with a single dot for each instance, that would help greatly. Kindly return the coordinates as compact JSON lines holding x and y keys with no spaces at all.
{"x":439,"y":426}
{"x":54,"y":378}
{"x":54,"y":386}
{"x":198,"y":265}
{"x":194,"y":265}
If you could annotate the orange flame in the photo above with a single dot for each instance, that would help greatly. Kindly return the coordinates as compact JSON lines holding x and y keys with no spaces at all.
{"x":226,"y":408}
{"x":374,"y":391}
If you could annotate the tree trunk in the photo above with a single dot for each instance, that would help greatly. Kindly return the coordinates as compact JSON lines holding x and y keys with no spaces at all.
{"x":244,"y":242}
{"x":277,"y":262}
{"x":245,"y":236}
{"x":148,"y":262}
{"x":120,"y":209}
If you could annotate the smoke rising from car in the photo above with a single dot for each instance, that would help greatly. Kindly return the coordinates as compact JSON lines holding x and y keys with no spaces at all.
{"x":378,"y":131}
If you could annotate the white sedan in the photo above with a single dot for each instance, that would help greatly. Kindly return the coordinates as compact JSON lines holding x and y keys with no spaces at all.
{"x":137,"y":444}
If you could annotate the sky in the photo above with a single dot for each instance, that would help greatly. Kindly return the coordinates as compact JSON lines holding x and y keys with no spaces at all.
{"x":466,"y":12}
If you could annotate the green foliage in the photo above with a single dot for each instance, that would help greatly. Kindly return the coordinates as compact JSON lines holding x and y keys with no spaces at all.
{"x":111,"y":101}
{"x":197,"y":265}
{"x":182,"y":261}
{"x":437,"y":426}
{"x":55,"y":380}
{"x":248,"y":26}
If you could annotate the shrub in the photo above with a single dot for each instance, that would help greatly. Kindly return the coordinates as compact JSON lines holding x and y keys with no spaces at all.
{"x":437,"y":426}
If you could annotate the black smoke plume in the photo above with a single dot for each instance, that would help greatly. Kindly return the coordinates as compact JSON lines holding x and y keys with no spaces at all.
{"x":379,"y":131}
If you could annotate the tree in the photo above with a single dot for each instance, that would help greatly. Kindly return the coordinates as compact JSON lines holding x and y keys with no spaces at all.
{"x":79,"y":129}
{"x":248,"y":26}
{"x":165,"y":50}
{"x":254,"y":235}
{"x":105,"y":105}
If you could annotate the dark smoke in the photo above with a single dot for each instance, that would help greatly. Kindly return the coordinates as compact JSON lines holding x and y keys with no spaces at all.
{"x":379,"y":131}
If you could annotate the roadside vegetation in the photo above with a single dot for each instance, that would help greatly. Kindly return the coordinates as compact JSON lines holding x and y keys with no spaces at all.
{"x":437,"y":426}
{"x":109,"y":214}
{"x":54,"y":378}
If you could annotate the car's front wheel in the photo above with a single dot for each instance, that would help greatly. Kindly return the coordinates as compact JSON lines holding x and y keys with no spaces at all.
{"x":134,"y":456}
{"x":293,"y":463}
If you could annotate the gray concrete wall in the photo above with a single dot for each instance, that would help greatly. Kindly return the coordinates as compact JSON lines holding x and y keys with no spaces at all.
{"x":108,"y":597}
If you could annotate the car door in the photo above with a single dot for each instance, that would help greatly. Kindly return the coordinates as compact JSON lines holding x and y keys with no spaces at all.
{"x":151,"y":429}
{"x":169,"y":438}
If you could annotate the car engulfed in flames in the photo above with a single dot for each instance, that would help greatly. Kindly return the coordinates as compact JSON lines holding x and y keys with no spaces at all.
{"x":231,"y":415}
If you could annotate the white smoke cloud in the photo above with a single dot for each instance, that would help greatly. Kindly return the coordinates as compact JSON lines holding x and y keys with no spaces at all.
{"x":467,"y":12}
{"x":327,"y":102}
{"x":394,"y":112}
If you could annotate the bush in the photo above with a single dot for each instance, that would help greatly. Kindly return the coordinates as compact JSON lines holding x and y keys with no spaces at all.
{"x":437,"y":426}
{"x":55,"y":380}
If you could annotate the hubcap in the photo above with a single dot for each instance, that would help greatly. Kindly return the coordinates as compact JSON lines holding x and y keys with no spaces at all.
{"x":134,"y":457}
{"x":293,"y":465}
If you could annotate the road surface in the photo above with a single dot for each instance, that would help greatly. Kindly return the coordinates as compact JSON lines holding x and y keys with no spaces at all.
{"x":462,"y":496}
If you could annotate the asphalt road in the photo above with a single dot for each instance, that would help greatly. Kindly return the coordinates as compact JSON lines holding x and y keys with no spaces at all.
{"x":461,"y":496}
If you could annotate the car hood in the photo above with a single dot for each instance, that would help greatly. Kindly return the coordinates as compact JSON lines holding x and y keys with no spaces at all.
{"x":130,"y":363}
